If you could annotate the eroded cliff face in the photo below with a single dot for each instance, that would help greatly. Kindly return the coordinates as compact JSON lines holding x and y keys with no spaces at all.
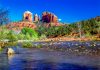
{"x":48,"y":17}
{"x":20,"y":25}
{"x":27,"y":16}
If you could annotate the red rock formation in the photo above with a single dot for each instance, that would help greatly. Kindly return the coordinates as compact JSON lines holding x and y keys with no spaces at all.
{"x":48,"y":17}
{"x":20,"y":25}
{"x":36,"y":18}
{"x":48,"y":20}
{"x":27,"y":16}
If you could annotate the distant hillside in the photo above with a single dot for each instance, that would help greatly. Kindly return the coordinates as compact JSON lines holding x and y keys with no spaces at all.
{"x":87,"y":27}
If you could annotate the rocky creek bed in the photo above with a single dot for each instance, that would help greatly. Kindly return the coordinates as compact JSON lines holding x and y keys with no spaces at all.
{"x":69,"y":55}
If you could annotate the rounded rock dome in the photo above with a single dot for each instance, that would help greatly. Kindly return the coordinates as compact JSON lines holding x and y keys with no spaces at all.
{"x":27,"y":16}
{"x":28,"y":12}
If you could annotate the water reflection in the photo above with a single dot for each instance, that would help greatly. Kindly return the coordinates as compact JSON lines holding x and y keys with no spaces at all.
{"x":10,"y":57}
{"x":4,"y":65}
{"x":39,"y":59}
{"x":27,"y":64}
{"x":36,"y":62}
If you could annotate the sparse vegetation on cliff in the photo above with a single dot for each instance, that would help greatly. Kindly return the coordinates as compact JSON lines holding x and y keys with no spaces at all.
{"x":86,"y":28}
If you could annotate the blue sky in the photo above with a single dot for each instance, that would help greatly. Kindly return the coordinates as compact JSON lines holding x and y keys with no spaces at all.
{"x":67,"y":10}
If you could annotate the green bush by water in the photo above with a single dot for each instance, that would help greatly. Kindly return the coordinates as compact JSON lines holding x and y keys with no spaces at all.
{"x":27,"y":45}
{"x":39,"y":46}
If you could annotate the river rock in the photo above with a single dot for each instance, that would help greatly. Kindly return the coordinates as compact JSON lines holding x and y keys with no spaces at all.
{"x":10,"y":51}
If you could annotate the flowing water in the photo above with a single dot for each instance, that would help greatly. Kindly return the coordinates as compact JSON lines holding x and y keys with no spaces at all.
{"x":47,"y":59}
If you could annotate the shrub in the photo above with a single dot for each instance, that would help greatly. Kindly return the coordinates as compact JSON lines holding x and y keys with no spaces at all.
{"x":43,"y":36}
{"x":20,"y":36}
{"x":12,"y":37}
{"x":27,"y":45}
{"x":3,"y":33}
{"x":39,"y":46}
{"x":30,"y":33}
{"x":1,"y":49}
{"x":27,"y":36}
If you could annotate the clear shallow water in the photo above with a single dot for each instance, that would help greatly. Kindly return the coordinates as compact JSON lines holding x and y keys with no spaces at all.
{"x":40,"y":59}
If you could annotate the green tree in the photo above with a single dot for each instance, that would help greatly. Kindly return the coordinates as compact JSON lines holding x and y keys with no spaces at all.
{"x":30,"y":31}
{"x":11,"y":36}
{"x":3,"y":16}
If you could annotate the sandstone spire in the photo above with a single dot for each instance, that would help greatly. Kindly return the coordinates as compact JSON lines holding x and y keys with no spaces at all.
{"x":36,"y":18}
{"x":28,"y":16}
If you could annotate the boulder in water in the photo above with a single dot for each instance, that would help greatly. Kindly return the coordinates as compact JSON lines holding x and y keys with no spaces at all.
{"x":10,"y":51}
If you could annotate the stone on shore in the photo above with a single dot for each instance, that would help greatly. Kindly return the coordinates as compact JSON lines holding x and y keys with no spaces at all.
{"x":10,"y":51}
